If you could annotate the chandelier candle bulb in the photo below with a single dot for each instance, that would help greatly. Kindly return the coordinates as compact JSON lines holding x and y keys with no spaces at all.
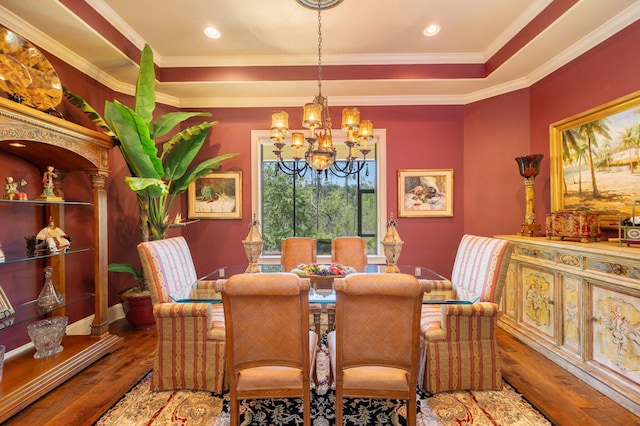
{"x":311,"y":115}
{"x":297,"y":140}
{"x":280,"y":121}
{"x":350,"y":119}
{"x":325,"y":142}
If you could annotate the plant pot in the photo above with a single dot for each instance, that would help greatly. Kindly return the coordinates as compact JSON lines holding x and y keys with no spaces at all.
{"x":138,"y":310}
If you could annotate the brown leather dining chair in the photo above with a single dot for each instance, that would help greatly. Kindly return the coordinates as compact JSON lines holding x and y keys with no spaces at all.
{"x":374,"y":350}
{"x":350,"y":251}
{"x":270,"y":349}
{"x":297,"y":250}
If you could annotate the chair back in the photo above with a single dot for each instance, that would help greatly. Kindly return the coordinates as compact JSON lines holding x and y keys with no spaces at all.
{"x":168,"y":268}
{"x":378,"y":322}
{"x":267,"y":320}
{"x":480,"y":267}
{"x":297,"y":250}
{"x":350,"y":251}
{"x":269,"y":350}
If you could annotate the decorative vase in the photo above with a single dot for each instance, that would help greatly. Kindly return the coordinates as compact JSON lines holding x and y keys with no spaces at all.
{"x":138,"y":309}
{"x":529,"y":167}
{"x":392,"y":246}
{"x":47,"y":335}
{"x":49,"y":298}
{"x":253,"y":245}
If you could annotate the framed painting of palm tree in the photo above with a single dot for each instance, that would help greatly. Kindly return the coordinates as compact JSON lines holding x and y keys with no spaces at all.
{"x":595,"y":160}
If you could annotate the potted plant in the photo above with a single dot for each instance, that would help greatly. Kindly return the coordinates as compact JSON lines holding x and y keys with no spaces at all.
{"x":156,"y":177}
{"x":136,"y":301}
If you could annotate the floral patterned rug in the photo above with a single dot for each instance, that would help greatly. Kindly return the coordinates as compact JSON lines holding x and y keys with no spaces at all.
{"x":142,"y":407}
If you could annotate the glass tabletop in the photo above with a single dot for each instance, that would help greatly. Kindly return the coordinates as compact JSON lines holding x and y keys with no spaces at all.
{"x":322,"y":285}
{"x":417,"y":271}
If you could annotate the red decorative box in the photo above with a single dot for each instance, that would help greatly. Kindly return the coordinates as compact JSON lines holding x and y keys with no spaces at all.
{"x":573,"y":224}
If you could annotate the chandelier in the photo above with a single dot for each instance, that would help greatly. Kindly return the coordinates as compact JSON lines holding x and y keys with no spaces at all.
{"x":320,"y":153}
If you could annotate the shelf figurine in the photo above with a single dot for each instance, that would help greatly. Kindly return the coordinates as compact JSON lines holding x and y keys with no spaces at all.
{"x":53,"y":238}
{"x":11,"y":189}
{"x":48,"y":179}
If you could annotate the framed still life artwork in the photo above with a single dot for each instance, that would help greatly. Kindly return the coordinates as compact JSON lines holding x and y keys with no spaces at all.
{"x":216,"y":196}
{"x":595,"y":161}
{"x":425,"y":193}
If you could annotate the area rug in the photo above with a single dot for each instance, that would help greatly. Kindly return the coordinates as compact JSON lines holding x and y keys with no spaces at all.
{"x":140,"y":406}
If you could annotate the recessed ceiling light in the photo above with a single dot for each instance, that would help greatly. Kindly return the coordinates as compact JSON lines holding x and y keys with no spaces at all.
{"x":431,"y":30}
{"x":212,"y":32}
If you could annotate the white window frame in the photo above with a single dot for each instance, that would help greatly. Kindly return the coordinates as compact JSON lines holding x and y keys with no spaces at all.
{"x":259,"y":137}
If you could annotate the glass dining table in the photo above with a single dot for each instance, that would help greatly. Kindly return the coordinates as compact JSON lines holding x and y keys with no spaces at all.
{"x":322,"y":298}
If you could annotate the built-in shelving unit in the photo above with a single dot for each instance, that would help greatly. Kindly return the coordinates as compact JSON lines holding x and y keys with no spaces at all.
{"x":44,"y":137}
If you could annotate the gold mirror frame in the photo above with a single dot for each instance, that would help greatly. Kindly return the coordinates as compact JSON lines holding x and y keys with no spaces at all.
{"x":610,"y":169}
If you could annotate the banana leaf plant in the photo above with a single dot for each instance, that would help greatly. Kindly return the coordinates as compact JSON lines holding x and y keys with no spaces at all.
{"x":157,"y":177}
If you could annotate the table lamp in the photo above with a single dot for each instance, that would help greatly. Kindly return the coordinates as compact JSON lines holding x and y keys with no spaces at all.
{"x":392,"y":245}
{"x":529,"y":167}
{"x":253,"y":245}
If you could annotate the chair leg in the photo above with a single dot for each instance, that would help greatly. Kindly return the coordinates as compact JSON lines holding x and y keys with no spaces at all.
{"x":233,"y":409}
{"x":306,"y":414}
{"x":412,"y":410}
{"x":339,"y":403}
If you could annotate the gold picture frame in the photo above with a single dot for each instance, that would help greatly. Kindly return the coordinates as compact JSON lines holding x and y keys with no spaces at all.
{"x":597,"y":146}
{"x":216,"y":196}
{"x":425,"y":193}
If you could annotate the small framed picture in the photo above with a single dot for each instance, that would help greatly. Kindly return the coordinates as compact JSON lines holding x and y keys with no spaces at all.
{"x":216,"y":196}
{"x":425,"y":193}
{"x":6,"y":310}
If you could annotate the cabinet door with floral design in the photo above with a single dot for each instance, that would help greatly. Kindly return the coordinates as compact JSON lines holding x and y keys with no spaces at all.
{"x":538,"y":309}
{"x":615,"y":333}
{"x":572,"y":315}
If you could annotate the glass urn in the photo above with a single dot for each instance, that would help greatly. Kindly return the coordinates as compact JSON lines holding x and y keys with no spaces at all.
{"x":47,"y":335}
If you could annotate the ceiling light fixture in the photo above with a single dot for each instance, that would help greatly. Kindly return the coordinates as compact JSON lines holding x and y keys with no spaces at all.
{"x":320,"y":154}
{"x":431,"y":30}
{"x":212,"y":32}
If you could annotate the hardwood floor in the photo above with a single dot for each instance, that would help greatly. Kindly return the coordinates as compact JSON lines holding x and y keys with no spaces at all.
{"x":564,"y":399}
{"x":84,"y":398}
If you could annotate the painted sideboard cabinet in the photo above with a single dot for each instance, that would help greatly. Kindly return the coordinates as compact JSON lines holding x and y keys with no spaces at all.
{"x":43,"y":137}
{"x":579,"y":305}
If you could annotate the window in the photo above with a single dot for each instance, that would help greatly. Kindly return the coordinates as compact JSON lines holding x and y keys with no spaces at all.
{"x":316,"y":205}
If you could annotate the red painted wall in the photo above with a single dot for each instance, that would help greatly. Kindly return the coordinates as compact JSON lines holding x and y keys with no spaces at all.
{"x":478,"y":141}
{"x":495,"y":133}
{"x":418,"y":137}
{"x":605,"y":73}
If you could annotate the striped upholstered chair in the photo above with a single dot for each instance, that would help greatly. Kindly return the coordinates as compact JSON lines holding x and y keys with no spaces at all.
{"x":191,"y":336}
{"x":460,"y":348}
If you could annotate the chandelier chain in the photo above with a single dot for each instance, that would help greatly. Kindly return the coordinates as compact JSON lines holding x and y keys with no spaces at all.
{"x":319,"y":51}
{"x":320,"y":154}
